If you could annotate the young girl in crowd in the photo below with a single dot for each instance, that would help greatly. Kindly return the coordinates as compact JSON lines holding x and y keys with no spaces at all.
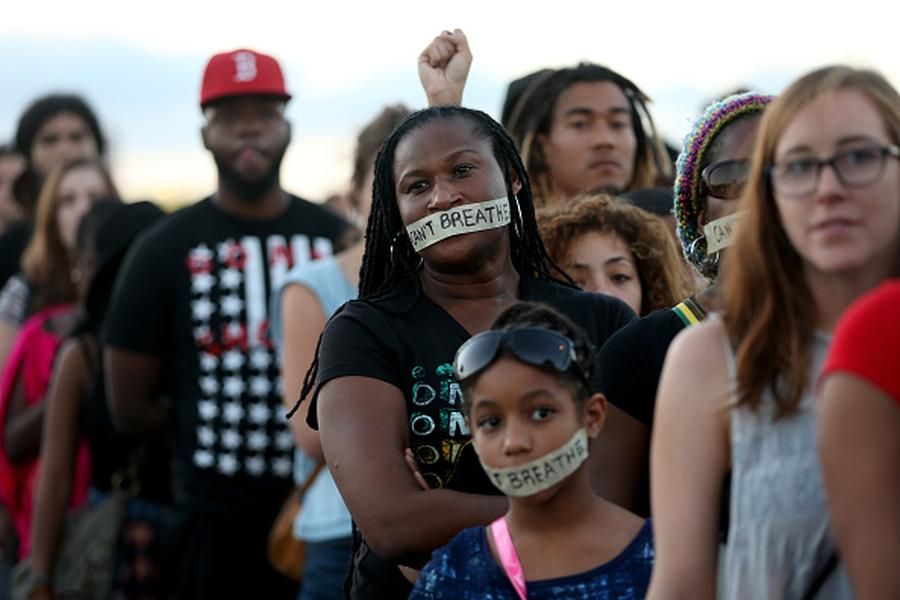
{"x":821,"y":227}
{"x":77,"y":410}
{"x":532,"y":413}
{"x":585,"y":129}
{"x":50,"y":262}
{"x":451,"y":242}
{"x":616,"y":249}
{"x":859,"y":441}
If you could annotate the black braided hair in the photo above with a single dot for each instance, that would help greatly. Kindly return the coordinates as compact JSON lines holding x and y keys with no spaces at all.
{"x":389,"y":257}
{"x":652,"y":164}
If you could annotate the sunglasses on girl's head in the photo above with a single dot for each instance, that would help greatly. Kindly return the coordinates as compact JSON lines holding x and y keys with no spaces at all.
{"x":531,"y":345}
{"x":725,"y":179}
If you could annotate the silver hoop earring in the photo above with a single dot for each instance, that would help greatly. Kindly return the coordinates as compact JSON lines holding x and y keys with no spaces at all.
{"x":394,"y":241}
{"x":393,"y":244}
{"x":693,"y":249}
{"x":516,"y":222}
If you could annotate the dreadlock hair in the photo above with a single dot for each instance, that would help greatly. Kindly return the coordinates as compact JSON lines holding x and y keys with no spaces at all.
{"x":652,"y":165}
{"x":534,"y":314}
{"x":690,"y":199}
{"x":389,"y":257}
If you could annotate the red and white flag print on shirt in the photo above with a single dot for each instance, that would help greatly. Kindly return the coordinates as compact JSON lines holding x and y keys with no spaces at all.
{"x":240,"y":422}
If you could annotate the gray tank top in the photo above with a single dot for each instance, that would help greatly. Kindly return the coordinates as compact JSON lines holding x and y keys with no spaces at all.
{"x":779,"y":539}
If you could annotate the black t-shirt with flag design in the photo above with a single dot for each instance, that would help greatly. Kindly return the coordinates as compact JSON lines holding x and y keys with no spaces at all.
{"x":194,"y":291}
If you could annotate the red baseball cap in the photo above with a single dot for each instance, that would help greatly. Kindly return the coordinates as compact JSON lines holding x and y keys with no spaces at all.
{"x":242,"y":72}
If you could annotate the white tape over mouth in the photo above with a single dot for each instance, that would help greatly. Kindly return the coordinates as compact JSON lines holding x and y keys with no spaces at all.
{"x":466,"y":218}
{"x":720,"y":233}
{"x":541,"y":473}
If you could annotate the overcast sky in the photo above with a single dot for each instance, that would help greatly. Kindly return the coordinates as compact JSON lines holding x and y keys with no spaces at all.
{"x":140,"y":64}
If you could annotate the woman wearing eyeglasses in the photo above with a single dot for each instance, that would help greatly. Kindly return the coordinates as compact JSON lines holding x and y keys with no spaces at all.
{"x":821,"y":226}
{"x":532,"y":413}
{"x":710,"y":174}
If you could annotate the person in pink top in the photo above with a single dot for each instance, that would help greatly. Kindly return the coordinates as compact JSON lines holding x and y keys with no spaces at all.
{"x":49,"y":260}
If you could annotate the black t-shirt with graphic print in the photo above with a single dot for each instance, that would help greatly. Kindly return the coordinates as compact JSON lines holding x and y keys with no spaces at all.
{"x":194,"y":291}
{"x":407,"y":340}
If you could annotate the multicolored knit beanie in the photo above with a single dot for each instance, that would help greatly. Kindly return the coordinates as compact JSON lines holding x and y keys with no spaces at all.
{"x":690,"y":203}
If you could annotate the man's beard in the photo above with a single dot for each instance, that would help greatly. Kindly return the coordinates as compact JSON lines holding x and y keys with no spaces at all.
{"x":249,"y":190}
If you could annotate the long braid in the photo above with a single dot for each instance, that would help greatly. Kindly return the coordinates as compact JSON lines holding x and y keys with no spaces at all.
{"x":389,"y":257}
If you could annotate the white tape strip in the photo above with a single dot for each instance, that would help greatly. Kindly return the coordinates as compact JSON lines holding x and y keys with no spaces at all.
{"x":720,"y":233}
{"x":467,"y":218}
{"x":544,"y":472}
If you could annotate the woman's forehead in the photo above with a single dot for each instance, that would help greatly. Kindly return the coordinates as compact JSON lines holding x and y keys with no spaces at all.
{"x":439,"y":138}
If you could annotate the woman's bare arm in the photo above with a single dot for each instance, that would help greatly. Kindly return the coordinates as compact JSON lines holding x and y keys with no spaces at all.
{"x":67,"y":390}
{"x":689,"y":456}
{"x":364,"y":431}
{"x":859,"y":442}
{"x":444,"y":68}
{"x":22,"y":430}
{"x":302,"y":320}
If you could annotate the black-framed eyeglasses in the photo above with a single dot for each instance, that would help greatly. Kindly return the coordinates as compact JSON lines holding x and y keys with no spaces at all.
{"x":531,"y":345}
{"x":726,"y":178}
{"x":854,"y":167}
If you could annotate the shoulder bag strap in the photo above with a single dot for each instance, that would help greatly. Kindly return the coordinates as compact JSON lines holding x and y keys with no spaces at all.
{"x":509,"y":560}
{"x":312,"y":478}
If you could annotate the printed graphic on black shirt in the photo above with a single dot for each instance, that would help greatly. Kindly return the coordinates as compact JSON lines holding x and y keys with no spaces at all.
{"x":437,"y":423}
{"x":240,"y":427}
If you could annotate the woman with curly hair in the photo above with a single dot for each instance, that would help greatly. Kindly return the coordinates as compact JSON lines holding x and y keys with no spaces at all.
{"x":616,"y":249}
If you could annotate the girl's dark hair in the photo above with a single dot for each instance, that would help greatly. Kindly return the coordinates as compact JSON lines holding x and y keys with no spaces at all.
{"x":28,"y":185}
{"x":534,"y":314}
{"x":652,"y":165}
{"x":114,"y":232}
{"x":86,"y":250}
{"x":86,"y":234}
{"x":389,"y":257}
{"x":45,"y":108}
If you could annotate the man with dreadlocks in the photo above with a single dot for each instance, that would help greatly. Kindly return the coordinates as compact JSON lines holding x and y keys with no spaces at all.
{"x":585,"y":129}
{"x":451,"y":242}
{"x":711,"y":172}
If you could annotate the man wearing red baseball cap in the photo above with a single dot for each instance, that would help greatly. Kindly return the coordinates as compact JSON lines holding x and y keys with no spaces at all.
{"x":188,"y":345}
